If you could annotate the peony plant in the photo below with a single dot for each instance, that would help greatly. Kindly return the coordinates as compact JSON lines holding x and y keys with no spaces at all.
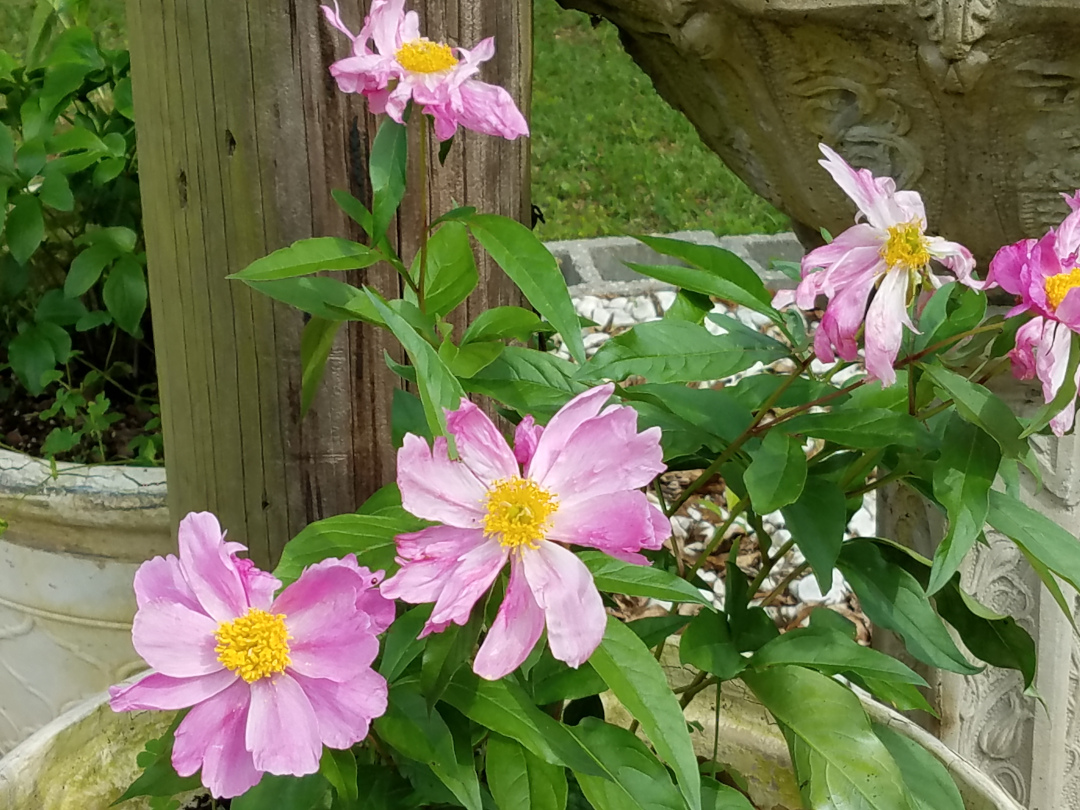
{"x":446,"y":645}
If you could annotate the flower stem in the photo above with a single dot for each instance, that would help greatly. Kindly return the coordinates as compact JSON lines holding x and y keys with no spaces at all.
{"x":425,"y":214}
{"x":779,"y":589}
{"x":768,"y":564}
{"x":718,"y":536}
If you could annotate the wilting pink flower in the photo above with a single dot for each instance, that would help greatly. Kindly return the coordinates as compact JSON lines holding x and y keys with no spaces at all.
{"x":1045,"y":273}
{"x":406,"y":66}
{"x":269,"y":681}
{"x":888,"y":252}
{"x":575,"y":482}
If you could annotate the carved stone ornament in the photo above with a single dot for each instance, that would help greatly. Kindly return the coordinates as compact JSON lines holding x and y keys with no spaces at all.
{"x":973,"y":103}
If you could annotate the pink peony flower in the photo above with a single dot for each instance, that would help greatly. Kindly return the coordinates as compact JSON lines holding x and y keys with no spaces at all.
{"x":406,"y":66}
{"x":575,"y":482}
{"x":1045,"y":273}
{"x":269,"y":681}
{"x":889,"y":252}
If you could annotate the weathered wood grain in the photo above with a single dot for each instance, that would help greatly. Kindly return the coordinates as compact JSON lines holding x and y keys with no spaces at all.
{"x":242,"y":135}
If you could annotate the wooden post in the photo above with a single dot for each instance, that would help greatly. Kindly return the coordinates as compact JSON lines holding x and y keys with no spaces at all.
{"x":242,"y":135}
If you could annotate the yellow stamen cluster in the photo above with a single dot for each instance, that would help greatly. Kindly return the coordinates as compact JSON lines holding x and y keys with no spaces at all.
{"x":254,"y":646}
{"x":1057,"y":287}
{"x":906,"y":247}
{"x":424,"y":56}
{"x":519,"y":512}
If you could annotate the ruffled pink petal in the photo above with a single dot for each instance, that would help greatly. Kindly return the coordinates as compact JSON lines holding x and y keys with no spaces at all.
{"x":429,"y":560}
{"x":209,"y":568}
{"x":515,"y":631}
{"x":480,"y":445}
{"x":259,"y":586}
{"x":1068,"y":239}
{"x":162,"y":693}
{"x":1029,"y":337}
{"x":856,"y":266}
{"x":383,"y":23}
{"x":329,"y":637}
{"x":211,"y":737}
{"x":1073,"y":200}
{"x":844,"y":317}
{"x":1007,"y":264}
{"x":783,"y":298}
{"x":885,"y":321}
{"x":911,"y":206}
{"x":364,"y":73}
{"x":176,"y":640}
{"x":526,"y":437}
{"x":620,"y":524}
{"x":604,"y":454}
{"x":1052,"y":358}
{"x":573,"y":611}
{"x":569,"y":417}
{"x":333,"y":16}
{"x":873,"y":196}
{"x":282,"y":731}
{"x":398,"y":99}
{"x":1068,"y":311}
{"x":957,"y":258}
{"x":862,"y":235}
{"x":410,"y":28}
{"x":484,"y":108}
{"x":1043,"y":264}
{"x":471,"y":579}
{"x":344,"y":711}
{"x":161,"y":579}
{"x":435,"y":488}
{"x":661,"y":527}
{"x":379,"y":610}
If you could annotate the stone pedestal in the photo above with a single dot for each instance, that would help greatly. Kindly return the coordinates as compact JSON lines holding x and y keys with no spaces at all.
{"x":1033,"y":752}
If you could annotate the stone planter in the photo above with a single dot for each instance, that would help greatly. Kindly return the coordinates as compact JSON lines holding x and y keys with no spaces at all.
{"x":971,"y":102}
{"x":67,"y":560}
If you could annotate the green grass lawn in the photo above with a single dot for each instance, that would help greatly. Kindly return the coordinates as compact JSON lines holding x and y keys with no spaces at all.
{"x":609,"y":156}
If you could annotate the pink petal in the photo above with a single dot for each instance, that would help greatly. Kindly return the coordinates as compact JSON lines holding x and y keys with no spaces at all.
{"x":259,"y":586}
{"x":480,"y":445}
{"x":163,"y":693}
{"x":573,"y":611}
{"x":1052,"y":358}
{"x":585,"y":405}
{"x":856,"y":266}
{"x":604,"y":454}
{"x":282,"y":731}
{"x":435,"y":488}
{"x":957,"y":258}
{"x":209,"y":568}
{"x":383,"y":23}
{"x":515,"y":631}
{"x":161,"y":579}
{"x":211,"y":737}
{"x":1043,"y":264}
{"x":429,"y":560}
{"x":844,"y":317}
{"x":1073,"y":200}
{"x":176,"y":640}
{"x":470,"y":579}
{"x":885,"y":322}
{"x":873,"y":196}
{"x":526,"y":438}
{"x":1029,"y":338}
{"x":1007,"y":264}
{"x":333,"y":16}
{"x":1068,"y":238}
{"x":484,"y":108}
{"x":620,"y":523}
{"x":344,"y":711}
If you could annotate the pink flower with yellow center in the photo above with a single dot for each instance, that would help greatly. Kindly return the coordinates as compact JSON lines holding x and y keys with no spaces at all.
{"x":405,"y":66}
{"x":269,"y":681}
{"x":886,"y":255}
{"x":1045,"y":274}
{"x":575,"y":482}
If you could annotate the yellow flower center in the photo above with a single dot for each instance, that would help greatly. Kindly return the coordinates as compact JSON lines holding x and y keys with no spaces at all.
{"x":1057,"y":287}
{"x":519,"y":512}
{"x":424,"y":56}
{"x":254,"y":646}
{"x":906,"y":247}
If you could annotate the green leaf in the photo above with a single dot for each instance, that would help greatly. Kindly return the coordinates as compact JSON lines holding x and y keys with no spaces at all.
{"x":31,"y":158}
{"x":963,"y":477}
{"x":893,"y":599}
{"x":7,"y":151}
{"x":451,"y":271}
{"x":108,"y":170}
{"x":316,"y":344}
{"x":125,"y":294}
{"x":527,"y":380}
{"x":445,"y":653}
{"x":1037,"y":535}
{"x":715,"y":796}
{"x":55,"y":307}
{"x":55,"y":191}
{"x":309,"y":256}
{"x":839,"y":764}
{"x":717,"y":411}
{"x":284,"y":793}
{"x":159,"y":778}
{"x":122,"y":99}
{"x":868,"y":429}
{"x":401,"y":645}
{"x":707,"y":644}
{"x":339,"y":769}
{"x":689,"y":306}
{"x":831,"y":652}
{"x":776,"y":474}
{"x":467,"y":361}
{"x":673,"y":351}
{"x":369,"y":537}
{"x":424,"y":735}
{"x":439,"y":388}
{"x":615,"y":576}
{"x":499,"y":323}
{"x":123,"y":239}
{"x":817,"y":521}
{"x":32,"y":356}
{"x":635,"y":780}
{"x":388,"y":161}
{"x":354,"y":209}
{"x":952,"y":310}
{"x":927,"y":780}
{"x":534,"y":270}
{"x":25,"y":227}
{"x":519,"y":780}
{"x":87,"y":268}
{"x":407,"y":416}
{"x":638,"y":681}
